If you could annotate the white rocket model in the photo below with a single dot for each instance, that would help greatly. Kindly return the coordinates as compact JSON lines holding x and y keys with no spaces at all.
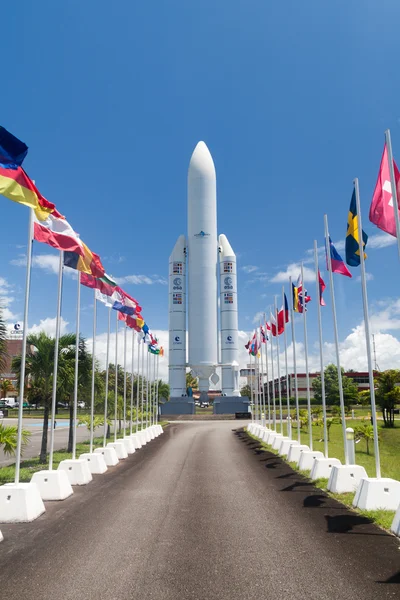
{"x":206,"y":257}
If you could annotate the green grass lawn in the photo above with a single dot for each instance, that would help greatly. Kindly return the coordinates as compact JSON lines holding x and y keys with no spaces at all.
{"x":31,"y":465}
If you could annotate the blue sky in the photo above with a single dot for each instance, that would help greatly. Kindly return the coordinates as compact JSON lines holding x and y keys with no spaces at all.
{"x":291,"y":98}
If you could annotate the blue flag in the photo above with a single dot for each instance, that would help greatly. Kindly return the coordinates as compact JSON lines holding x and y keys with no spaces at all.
{"x":12,"y":150}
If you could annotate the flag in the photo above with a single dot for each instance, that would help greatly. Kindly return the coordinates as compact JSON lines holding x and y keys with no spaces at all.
{"x":136,"y":322}
{"x":321,"y":286}
{"x":352,"y":235}
{"x":105,"y":284}
{"x":295,"y":295}
{"x":338,"y":265}
{"x":18,"y":187}
{"x":12,"y":150}
{"x":105,"y":299}
{"x":381,"y":212}
{"x":87,"y":262}
{"x":56,"y":232}
{"x":247,"y":346}
{"x":272,"y":324}
{"x":264,"y":337}
{"x":126,"y":304}
{"x":161,"y":351}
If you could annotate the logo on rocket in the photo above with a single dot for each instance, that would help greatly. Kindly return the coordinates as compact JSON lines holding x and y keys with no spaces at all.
{"x":177,"y":340}
{"x":202,"y":234}
{"x":177,"y":283}
{"x":228,"y":283}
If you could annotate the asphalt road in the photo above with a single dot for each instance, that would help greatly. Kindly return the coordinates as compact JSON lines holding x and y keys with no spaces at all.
{"x":199,"y":513}
{"x":35,"y":427}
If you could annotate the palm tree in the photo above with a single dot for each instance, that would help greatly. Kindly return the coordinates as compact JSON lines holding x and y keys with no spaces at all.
{"x":39,"y":369}
{"x":192,"y":382}
{"x":5,"y":386}
{"x":8,"y":439}
{"x":388,"y":394}
{"x":3,"y":342}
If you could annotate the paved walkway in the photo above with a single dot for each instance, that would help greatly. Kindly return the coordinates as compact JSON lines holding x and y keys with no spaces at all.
{"x":199,"y":513}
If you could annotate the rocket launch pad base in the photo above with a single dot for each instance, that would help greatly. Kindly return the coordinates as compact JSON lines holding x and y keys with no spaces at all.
{"x":230,"y":405}
{"x":178,"y":406}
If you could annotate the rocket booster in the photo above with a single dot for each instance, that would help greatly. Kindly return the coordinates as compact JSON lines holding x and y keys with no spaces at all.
{"x":177,"y":318}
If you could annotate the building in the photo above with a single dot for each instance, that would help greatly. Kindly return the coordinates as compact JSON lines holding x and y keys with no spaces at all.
{"x":13,"y":348}
{"x":360,"y":378}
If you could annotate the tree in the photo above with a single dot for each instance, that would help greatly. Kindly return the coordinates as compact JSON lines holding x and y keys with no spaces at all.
{"x":3,"y":342}
{"x":192,"y":382}
{"x":5,"y":386}
{"x":350,"y":389}
{"x":246,"y":391}
{"x":8,"y":438}
{"x":39,"y":369}
{"x":388,"y":394}
{"x":163,"y":390}
{"x":364,"y":431}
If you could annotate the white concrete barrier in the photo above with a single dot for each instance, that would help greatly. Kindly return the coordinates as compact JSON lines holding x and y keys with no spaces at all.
{"x":110,"y":456}
{"x":322,"y":467}
{"x":295,"y":452}
{"x":374,"y":494}
{"x":20,"y":503}
{"x":395,"y":528}
{"x":285,"y":446}
{"x":129,"y":445}
{"x":77,"y":470}
{"x":306,"y":459}
{"x":345,"y":478}
{"x":119,"y":448}
{"x":96,"y":463}
{"x":53,"y":485}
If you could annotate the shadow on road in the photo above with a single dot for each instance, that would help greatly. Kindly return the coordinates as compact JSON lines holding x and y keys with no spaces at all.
{"x":347,"y":523}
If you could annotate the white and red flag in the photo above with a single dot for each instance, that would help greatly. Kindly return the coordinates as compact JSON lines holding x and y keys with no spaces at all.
{"x":381,"y":212}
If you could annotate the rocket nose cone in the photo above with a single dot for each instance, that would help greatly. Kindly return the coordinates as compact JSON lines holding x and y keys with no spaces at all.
{"x":201,"y":163}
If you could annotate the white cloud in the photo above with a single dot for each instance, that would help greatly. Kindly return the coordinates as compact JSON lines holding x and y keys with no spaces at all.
{"x":141,"y":279}
{"x":368,"y":277}
{"x":381,"y":240}
{"x":258,"y":317}
{"x":6,"y":300}
{"x":47,"y":262}
{"x":48,"y":326}
{"x":249,"y":268}
{"x":293,"y":270}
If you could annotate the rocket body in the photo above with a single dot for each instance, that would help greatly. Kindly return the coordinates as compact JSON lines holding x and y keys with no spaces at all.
{"x":202,"y":265}
{"x":198,"y":263}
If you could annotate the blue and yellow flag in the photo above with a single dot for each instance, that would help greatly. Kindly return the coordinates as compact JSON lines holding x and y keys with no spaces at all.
{"x":352,"y":236}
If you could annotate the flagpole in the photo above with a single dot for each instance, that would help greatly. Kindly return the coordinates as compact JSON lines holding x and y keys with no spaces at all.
{"x":154,"y":388}
{"x":321,"y":351}
{"x":142,"y":426}
{"x":257,"y":365}
{"x":335,"y":329}
{"x":138,"y":387}
{"x":76,"y":375}
{"x":147,"y":388}
{"x":158,"y":365}
{"x":125,"y":329}
{"x":279,"y":368}
{"x":107,"y":373}
{"x":296,"y":391}
{"x":266,"y":370}
{"x":289,"y":423}
{"x":116,"y":377}
{"x":262,"y":378}
{"x":393,"y":186}
{"x":24,"y":338}
{"x":367,"y":330}
{"x":273,"y":381}
{"x":303,"y":293}
{"x":93,"y":373}
{"x":55,"y":369}
{"x":251,"y":388}
{"x":132,"y":378}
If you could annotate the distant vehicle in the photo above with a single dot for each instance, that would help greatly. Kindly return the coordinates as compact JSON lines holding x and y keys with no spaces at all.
{"x":11,"y":402}
{"x":81,"y":405}
{"x":3,"y":404}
